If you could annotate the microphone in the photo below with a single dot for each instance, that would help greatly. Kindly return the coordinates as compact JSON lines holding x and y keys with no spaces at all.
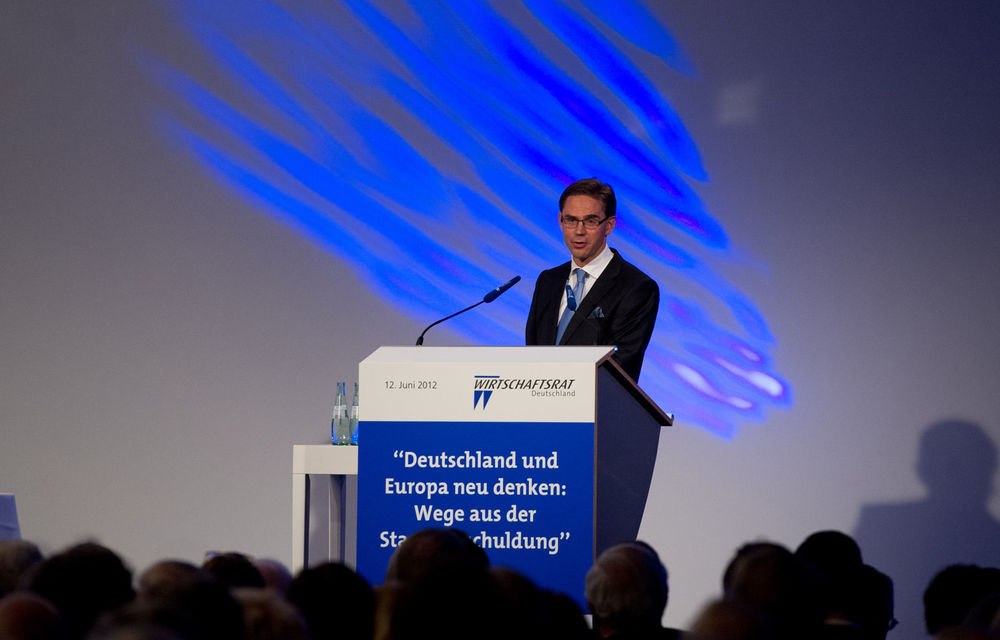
{"x":493,"y":295}
{"x":489,"y":297}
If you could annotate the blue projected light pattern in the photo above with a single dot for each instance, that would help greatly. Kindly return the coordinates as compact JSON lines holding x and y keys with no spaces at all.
{"x":427,"y":144}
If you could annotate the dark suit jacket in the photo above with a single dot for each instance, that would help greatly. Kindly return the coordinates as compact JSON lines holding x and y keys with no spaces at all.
{"x":627,"y":298}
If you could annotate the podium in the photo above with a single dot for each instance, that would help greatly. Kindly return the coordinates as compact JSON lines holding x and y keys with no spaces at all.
{"x":543,"y":455}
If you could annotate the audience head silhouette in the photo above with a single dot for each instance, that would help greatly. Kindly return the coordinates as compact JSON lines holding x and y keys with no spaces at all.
{"x":234,"y":570}
{"x":770,"y":580}
{"x":28,"y":616}
{"x":82,"y":582}
{"x":728,"y":620}
{"x":435,"y":550}
{"x":627,"y":591}
{"x":954,"y":592}
{"x":439,"y":584}
{"x":16,"y":557}
{"x":331,"y":586}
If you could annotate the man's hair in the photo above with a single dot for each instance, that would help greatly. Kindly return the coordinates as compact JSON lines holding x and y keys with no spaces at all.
{"x":626,"y":589}
{"x":234,"y":570}
{"x":268,"y":616}
{"x":769,"y":579}
{"x":316,"y":588}
{"x":16,"y":557}
{"x":595,"y":189}
{"x":82,"y":582}
{"x":435,"y":550}
{"x":835,"y":557}
{"x":954,"y":591}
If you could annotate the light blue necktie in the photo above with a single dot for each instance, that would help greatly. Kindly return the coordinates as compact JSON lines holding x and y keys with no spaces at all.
{"x":572,"y":297}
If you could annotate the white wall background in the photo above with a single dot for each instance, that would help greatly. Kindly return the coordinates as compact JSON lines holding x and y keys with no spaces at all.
{"x":163,"y":344}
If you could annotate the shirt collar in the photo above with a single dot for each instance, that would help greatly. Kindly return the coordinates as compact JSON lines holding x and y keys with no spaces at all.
{"x":595,"y":267}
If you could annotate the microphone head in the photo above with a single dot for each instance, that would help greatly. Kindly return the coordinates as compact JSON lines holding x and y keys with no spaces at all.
{"x":493,"y":295}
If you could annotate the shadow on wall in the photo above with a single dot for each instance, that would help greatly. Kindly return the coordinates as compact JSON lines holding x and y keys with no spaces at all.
{"x":912,"y":541}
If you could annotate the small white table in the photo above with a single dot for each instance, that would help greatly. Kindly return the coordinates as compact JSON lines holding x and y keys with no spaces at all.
{"x":340,"y":463}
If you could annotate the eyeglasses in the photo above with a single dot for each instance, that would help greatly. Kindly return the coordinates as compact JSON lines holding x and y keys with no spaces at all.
{"x":590,"y":222}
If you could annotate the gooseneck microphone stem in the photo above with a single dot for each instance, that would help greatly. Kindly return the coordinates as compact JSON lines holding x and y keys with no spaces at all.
{"x":489,"y":297}
{"x":420,"y":340}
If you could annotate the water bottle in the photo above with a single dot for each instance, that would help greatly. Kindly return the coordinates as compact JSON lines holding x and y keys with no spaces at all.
{"x":354,"y":416}
{"x":340,"y":425}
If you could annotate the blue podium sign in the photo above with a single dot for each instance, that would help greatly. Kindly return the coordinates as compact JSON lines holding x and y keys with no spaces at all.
{"x":523,"y":491}
{"x":496,"y":441}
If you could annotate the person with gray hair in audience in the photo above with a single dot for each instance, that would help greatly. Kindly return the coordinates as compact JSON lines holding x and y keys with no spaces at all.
{"x":627,"y":593}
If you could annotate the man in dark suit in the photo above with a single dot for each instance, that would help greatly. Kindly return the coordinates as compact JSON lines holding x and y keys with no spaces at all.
{"x":597,"y":298}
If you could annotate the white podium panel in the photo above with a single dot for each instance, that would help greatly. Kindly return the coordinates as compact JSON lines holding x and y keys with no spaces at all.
{"x":481,"y":384}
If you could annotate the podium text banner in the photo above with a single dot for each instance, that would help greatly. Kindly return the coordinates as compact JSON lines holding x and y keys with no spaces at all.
{"x":486,"y":441}
{"x":522,"y":491}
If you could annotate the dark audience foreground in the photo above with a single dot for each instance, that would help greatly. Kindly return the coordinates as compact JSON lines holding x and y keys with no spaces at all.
{"x":440,"y":585}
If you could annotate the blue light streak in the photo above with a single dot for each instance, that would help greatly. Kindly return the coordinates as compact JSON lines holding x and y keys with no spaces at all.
{"x":426,"y":145}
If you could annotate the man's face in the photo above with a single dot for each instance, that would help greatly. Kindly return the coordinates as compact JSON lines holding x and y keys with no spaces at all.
{"x":584,"y":244}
